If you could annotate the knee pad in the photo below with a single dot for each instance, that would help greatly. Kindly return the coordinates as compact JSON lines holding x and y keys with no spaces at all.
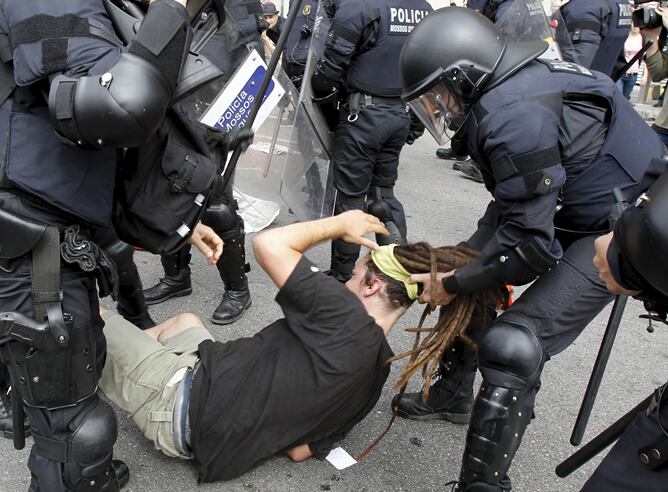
{"x":222,"y":218}
{"x":120,"y":252}
{"x":510,"y":354}
{"x":93,"y":438}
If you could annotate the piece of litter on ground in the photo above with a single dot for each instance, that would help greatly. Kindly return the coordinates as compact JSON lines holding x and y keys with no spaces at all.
{"x":340,"y":458}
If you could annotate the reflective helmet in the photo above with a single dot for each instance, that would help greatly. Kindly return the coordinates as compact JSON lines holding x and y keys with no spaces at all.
{"x":451,"y":56}
{"x":642,"y":237}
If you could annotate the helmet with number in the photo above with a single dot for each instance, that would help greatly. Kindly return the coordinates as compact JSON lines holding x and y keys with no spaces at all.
{"x":641,"y":235}
{"x":449,"y":59}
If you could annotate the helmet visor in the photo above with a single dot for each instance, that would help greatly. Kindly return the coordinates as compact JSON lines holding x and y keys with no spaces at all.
{"x":440,"y":111}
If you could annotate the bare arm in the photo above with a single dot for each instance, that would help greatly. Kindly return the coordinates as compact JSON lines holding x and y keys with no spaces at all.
{"x":279,"y":250}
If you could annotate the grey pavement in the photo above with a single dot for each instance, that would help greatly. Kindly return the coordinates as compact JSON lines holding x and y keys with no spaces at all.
{"x":442,"y":208}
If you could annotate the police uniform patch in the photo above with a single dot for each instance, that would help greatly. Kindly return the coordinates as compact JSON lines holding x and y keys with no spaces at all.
{"x":307,"y":9}
{"x":624,"y":14}
{"x":567,"y":67}
{"x":403,"y":20}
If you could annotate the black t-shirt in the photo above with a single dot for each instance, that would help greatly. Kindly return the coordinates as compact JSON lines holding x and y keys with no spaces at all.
{"x":305,"y":379}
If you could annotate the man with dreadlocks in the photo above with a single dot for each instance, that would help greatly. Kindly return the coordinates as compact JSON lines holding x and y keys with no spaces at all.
{"x":297,"y":386}
{"x":553,"y":139}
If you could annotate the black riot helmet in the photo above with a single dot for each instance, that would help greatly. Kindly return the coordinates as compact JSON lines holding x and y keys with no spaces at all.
{"x":449,"y":59}
{"x":641,"y":236}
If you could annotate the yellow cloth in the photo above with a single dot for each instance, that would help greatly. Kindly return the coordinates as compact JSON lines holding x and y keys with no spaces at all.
{"x":385,"y":260}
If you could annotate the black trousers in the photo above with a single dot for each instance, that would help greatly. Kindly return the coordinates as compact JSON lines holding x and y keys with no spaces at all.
{"x":366,"y":153}
{"x":79,"y":299}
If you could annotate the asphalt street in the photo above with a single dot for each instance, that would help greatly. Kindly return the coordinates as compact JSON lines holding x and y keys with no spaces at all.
{"x":442,"y":208}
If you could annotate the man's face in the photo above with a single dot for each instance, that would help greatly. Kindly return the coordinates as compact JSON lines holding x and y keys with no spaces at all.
{"x":271,"y":20}
{"x":356,"y":283}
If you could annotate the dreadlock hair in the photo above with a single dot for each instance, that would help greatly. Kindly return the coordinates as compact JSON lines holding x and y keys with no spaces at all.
{"x":392,"y":291}
{"x":452,"y":322}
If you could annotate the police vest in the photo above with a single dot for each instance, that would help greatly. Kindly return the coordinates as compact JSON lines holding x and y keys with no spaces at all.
{"x":246,"y":14}
{"x":36,"y":161}
{"x":299,"y":37}
{"x":375,"y":69}
{"x":612,"y":44}
{"x":624,"y":161}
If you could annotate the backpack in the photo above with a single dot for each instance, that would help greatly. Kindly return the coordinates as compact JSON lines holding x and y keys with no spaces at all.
{"x":162,"y":189}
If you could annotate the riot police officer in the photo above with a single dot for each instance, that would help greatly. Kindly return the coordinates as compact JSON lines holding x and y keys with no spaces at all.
{"x":631,"y":262}
{"x":550,"y":157}
{"x":55,"y":190}
{"x":295,"y":54}
{"x":598,"y":30}
{"x":227,"y":50}
{"x":361,"y":59}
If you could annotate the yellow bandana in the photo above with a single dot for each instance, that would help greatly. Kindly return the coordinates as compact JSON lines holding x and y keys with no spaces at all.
{"x":387,"y":263}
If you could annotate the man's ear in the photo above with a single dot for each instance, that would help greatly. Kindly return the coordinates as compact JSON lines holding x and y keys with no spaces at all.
{"x":373,"y":286}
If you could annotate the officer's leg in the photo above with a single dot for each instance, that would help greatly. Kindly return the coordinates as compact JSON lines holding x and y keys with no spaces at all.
{"x":545,"y":320}
{"x":355,"y":147}
{"x":223,"y":218}
{"x":130,"y":302}
{"x":622,"y":468}
{"x":73,"y":443}
{"x":176,"y":282}
{"x":386,"y":172}
{"x":451,"y":396}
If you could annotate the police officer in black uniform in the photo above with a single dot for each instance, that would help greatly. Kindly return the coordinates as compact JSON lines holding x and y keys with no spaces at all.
{"x":295,"y":54}
{"x":361,"y":58}
{"x":552,"y":139}
{"x":598,"y":30}
{"x":56,"y":189}
{"x":631,"y":262}
{"x":231,"y":49}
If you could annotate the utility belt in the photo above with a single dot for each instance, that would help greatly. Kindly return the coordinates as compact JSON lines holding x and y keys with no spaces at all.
{"x":359,"y":100}
{"x":655,"y":456}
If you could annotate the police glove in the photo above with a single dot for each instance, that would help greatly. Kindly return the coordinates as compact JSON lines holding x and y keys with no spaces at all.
{"x":240,"y":137}
{"x":416,"y":129}
{"x":324,"y":88}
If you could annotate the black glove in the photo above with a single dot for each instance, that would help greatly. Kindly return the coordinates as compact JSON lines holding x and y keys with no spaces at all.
{"x":324,"y":88}
{"x":416,"y":129}
{"x":240,"y":137}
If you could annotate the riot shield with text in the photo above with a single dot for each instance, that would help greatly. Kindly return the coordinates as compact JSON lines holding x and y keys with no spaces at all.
{"x":533,"y":20}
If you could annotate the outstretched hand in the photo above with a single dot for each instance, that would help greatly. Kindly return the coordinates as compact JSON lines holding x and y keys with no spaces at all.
{"x":355,"y":225}
{"x":433,"y":294}
{"x":207,"y":242}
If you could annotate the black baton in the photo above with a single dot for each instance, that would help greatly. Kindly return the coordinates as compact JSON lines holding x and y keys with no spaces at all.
{"x":600,"y":442}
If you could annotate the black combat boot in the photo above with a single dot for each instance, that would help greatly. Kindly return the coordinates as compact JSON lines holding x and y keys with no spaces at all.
{"x":451,"y":396}
{"x":232,"y":267}
{"x":176,"y":282}
{"x":449,"y":154}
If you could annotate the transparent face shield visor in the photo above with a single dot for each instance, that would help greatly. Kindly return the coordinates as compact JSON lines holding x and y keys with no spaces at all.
{"x":440,"y":111}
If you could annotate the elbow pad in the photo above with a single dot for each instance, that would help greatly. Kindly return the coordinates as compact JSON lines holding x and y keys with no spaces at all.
{"x":517,"y":267}
{"x":120,"y":108}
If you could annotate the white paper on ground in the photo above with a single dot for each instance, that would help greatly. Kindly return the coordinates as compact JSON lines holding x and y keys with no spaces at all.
{"x":340,"y":458}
